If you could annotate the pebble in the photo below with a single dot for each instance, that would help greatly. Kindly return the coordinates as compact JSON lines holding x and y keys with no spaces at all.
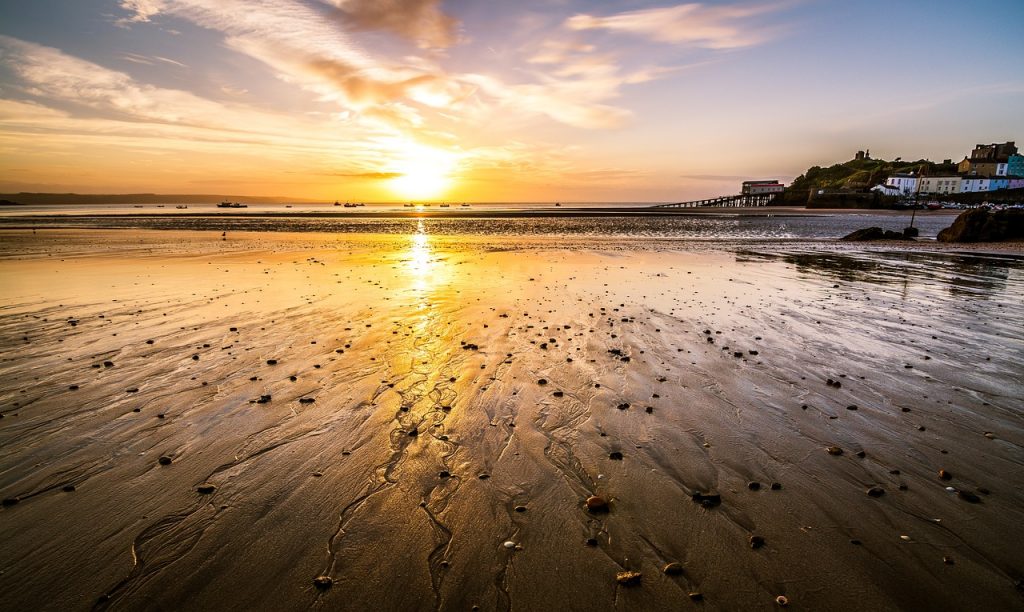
{"x":520,"y":508}
{"x":967,"y":496}
{"x":948,"y":560}
{"x":165,"y":460}
{"x":271,"y":362}
{"x":10,"y":501}
{"x":509,"y":544}
{"x":876,"y":492}
{"x":542,"y":381}
{"x":754,"y":486}
{"x":323,"y":582}
{"x":756,"y":541}
{"x":834,"y":450}
{"x":708,"y":500}
{"x":776,"y":486}
{"x":944,"y":475}
{"x":615,"y":456}
{"x":673,"y":569}
{"x":695,"y":596}
{"x":591,"y":542}
{"x":444,"y":474}
{"x":306,"y":400}
{"x":782,"y":600}
{"x":628,"y":578}
{"x":206,"y":488}
{"x":596,"y":503}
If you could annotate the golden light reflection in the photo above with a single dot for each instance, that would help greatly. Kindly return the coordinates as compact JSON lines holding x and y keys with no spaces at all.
{"x":424,"y":268}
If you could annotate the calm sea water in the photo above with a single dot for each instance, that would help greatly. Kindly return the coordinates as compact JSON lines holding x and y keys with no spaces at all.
{"x":704,"y":226}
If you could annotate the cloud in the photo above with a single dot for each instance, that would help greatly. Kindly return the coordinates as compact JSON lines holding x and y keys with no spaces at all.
{"x":421,"y":21}
{"x":693,"y":24}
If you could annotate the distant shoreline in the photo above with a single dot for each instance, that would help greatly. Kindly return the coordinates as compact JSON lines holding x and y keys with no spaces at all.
{"x":565,"y":212}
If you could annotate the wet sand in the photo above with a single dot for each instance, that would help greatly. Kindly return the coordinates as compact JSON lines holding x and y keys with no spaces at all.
{"x":197,"y":423}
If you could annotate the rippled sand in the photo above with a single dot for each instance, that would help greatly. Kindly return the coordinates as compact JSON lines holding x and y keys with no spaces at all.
{"x":370,"y":409}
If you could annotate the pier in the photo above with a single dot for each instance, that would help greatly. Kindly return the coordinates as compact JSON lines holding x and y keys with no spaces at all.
{"x":730,"y":201}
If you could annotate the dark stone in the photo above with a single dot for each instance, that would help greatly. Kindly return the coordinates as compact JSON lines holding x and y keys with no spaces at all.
{"x":754,"y":486}
{"x":271,"y":362}
{"x":615,"y":456}
{"x":323,"y":582}
{"x":165,"y":460}
{"x":756,"y":541}
{"x":967,"y":496}
{"x":520,"y":508}
{"x":306,"y":400}
{"x":206,"y":488}
{"x":68,"y":488}
{"x":876,"y":492}
{"x":596,"y":503}
{"x":10,"y":501}
{"x":444,"y":474}
{"x":623,"y":406}
{"x":944,"y":475}
{"x":834,"y":450}
{"x":980,"y":225}
{"x":673,"y":569}
{"x":872,"y":233}
{"x":708,"y":500}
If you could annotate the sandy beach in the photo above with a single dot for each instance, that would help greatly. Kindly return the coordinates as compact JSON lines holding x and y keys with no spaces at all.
{"x":291,"y":421}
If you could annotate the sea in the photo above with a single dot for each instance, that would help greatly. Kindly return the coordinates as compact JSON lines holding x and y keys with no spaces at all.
{"x":490,"y":219}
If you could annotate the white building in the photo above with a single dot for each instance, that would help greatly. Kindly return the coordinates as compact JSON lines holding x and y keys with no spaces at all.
{"x":888,"y":190}
{"x":939,"y":184}
{"x":762,"y":187}
{"x":974,"y":184}
{"x":906,"y":184}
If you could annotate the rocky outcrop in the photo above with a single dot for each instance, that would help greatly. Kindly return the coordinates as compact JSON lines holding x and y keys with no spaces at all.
{"x":873,"y":233}
{"x":980,"y":225}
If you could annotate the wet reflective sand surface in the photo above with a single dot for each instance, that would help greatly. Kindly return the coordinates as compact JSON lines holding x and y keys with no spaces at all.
{"x":197,"y":423}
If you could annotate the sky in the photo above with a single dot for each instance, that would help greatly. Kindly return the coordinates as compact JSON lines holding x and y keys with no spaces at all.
{"x":489,"y":100}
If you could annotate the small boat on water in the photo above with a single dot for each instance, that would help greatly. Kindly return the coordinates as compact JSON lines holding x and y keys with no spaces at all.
{"x":181,"y":206}
{"x":336,"y":203}
{"x":350,"y":205}
{"x":466,"y":205}
{"x":409,"y":205}
{"x":360,"y":204}
{"x":232,"y":205}
{"x":446,"y":206}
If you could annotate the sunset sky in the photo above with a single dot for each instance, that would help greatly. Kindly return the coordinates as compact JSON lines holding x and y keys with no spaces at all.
{"x":570,"y":100}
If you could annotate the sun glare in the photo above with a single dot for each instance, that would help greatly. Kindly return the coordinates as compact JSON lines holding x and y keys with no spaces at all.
{"x":423,"y":172}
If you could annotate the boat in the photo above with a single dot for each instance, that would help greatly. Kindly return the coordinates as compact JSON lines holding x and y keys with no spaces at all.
{"x":466,"y":205}
{"x":409,"y":205}
{"x":232,"y":205}
{"x":360,"y":204}
{"x":336,"y":203}
{"x":446,"y":206}
{"x":349,"y":205}
{"x":181,"y":206}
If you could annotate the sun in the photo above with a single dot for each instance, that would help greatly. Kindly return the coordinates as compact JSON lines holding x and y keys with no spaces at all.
{"x":422,"y":173}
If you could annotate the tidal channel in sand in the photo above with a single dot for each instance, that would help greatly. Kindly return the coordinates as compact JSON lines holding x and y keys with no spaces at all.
{"x":389,"y":411}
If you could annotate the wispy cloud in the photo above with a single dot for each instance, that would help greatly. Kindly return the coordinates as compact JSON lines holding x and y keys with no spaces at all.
{"x":695,"y":24}
{"x":421,"y":21}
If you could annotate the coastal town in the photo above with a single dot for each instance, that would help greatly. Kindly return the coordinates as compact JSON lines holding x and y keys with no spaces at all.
{"x":990,"y":167}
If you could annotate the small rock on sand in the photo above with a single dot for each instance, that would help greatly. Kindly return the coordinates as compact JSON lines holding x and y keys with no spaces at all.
{"x":323,"y":582}
{"x":876,"y":492}
{"x":596,"y":503}
{"x":628,"y":578}
{"x":673,"y":569}
{"x":206,"y":488}
{"x":165,"y":460}
{"x":834,"y":450}
{"x":756,"y":541}
{"x":615,"y":456}
{"x":944,"y":475}
{"x":782,"y":600}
